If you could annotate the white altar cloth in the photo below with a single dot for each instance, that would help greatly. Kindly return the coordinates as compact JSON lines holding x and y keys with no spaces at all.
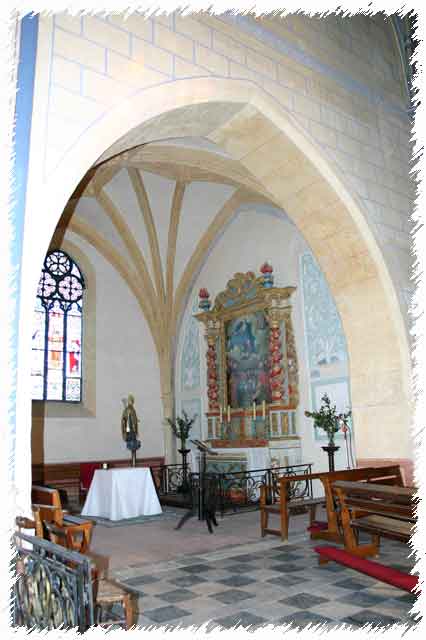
{"x":117,"y":494}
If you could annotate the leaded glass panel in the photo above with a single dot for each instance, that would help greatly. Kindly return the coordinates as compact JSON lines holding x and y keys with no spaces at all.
{"x":56,"y":366}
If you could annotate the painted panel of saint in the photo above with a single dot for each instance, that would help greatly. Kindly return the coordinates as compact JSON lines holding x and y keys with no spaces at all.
{"x":247,"y":360}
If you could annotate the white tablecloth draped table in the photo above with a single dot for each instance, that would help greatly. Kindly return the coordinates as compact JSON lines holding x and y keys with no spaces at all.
{"x":117,"y":494}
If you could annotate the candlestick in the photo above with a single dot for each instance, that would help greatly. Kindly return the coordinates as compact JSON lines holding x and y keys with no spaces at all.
{"x":254,"y":410}
{"x":264,"y":409}
{"x":229,"y":413}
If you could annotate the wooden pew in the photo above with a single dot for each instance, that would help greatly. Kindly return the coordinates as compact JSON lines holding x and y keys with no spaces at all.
{"x":389,"y":475}
{"x":282,"y":504}
{"x":380,"y":510}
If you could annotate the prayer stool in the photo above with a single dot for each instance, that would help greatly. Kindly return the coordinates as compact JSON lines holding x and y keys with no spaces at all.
{"x":109,"y":593}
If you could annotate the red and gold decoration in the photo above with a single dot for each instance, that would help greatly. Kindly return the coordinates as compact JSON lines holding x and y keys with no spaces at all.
{"x":252,"y":377}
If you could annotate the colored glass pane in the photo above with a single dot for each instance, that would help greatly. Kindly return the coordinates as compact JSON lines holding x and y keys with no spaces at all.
{"x":37,"y":364}
{"x":54,"y":385}
{"x":73,"y":390}
{"x":37,"y":387}
{"x":56,"y":365}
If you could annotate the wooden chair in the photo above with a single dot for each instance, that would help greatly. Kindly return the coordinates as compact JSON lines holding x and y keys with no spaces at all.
{"x":106,"y":594}
{"x":74,"y":537}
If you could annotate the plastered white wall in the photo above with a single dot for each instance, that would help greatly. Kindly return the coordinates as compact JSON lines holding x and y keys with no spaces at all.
{"x":126,"y":362}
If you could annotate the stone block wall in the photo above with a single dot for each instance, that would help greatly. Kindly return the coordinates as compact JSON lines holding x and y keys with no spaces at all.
{"x":339,"y":78}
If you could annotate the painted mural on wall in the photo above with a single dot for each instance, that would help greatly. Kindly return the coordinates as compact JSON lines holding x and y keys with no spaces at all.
{"x":247,"y":349}
{"x":325,"y":341}
{"x":188,"y":391}
{"x":190,"y":365}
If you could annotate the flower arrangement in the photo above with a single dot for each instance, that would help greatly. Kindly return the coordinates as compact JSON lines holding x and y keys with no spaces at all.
{"x":182,"y":426}
{"x":328,"y":419}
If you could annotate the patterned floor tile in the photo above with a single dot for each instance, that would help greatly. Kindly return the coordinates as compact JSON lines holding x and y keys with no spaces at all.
{"x":241,"y":568}
{"x":186,"y":561}
{"x":272,"y":584}
{"x":266,"y":593}
{"x":165,"y":614}
{"x":197,"y":568}
{"x":287,"y":557}
{"x":368,"y":616}
{"x":232,"y":595}
{"x":140,"y":580}
{"x":239,"y":580}
{"x":362,"y":599}
{"x":304,"y":618}
{"x":351,"y":584}
{"x":286,"y":568}
{"x":304,"y":600}
{"x":187,"y":581}
{"x":177,"y":595}
{"x":240,"y":619}
{"x":286,"y":581}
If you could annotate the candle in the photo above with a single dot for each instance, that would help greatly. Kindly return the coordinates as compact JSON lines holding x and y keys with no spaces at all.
{"x":264,"y":409}
{"x":220,"y":414}
{"x":229,"y":413}
{"x":254,"y":410}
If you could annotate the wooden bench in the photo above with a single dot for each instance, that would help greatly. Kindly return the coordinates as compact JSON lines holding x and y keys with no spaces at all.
{"x":389,"y":475}
{"x":282,"y":503}
{"x":377,"y":509}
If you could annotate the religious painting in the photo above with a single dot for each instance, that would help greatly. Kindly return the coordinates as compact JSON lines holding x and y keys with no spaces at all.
{"x":247,"y":359}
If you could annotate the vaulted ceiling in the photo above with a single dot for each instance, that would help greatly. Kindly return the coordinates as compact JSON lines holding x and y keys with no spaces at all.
{"x":153,"y":212}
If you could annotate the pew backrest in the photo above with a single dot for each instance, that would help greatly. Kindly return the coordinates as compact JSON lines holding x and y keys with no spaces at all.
{"x":380,"y":499}
{"x":46,"y":495}
{"x":390,"y":474}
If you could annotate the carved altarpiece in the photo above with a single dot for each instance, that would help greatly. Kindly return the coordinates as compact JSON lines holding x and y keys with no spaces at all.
{"x":252,"y":373}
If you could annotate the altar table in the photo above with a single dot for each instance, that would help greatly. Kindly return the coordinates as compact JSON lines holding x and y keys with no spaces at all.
{"x":117,"y":494}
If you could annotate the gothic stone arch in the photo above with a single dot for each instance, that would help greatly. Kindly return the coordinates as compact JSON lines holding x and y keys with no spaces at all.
{"x":263,"y":136}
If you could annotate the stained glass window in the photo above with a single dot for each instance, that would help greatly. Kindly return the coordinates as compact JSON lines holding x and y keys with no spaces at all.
{"x":57,"y":331}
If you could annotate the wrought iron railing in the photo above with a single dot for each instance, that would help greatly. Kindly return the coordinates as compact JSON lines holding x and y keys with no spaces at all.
{"x":169,"y":478}
{"x":53,"y":586}
{"x":240,"y":490}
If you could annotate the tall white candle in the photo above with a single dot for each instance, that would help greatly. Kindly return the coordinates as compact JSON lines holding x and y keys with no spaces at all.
{"x":264,"y":409}
{"x":229,"y":413}
{"x":220,"y":414}
{"x":254,"y":410}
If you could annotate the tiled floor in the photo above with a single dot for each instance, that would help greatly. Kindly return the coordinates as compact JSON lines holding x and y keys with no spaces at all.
{"x":258,"y":582}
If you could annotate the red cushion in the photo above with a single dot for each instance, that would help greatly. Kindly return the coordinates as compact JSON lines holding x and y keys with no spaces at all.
{"x":318,"y":525}
{"x":87,"y":471}
{"x":369,"y":567}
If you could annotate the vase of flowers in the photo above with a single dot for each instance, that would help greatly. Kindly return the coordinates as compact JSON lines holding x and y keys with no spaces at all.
{"x":327,"y":419}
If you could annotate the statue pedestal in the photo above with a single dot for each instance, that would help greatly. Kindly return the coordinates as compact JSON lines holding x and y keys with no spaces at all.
{"x":331,"y":450}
